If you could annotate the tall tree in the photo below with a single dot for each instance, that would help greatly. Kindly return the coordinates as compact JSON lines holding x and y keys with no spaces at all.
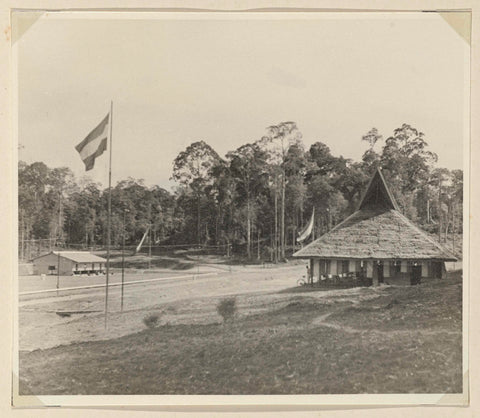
{"x":61,"y":184}
{"x":276,"y":143}
{"x":324,"y":179}
{"x":407,"y":164}
{"x":192,"y":168}
{"x":405,"y":156}
{"x":296,"y":191}
{"x":372,"y":137}
{"x":248,"y":168}
{"x":223,"y":194}
{"x":85,"y":215}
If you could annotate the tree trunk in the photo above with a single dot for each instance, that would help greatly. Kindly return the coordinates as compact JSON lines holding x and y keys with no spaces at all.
{"x":282,"y":220}
{"x":453,"y":228}
{"x":440,"y":212}
{"x":446,"y":228}
{"x":258,"y":243}
{"x":428,"y":211}
{"x":440,"y":228}
{"x":276,"y":225}
{"x":198,"y":219}
{"x":252,"y":237}
{"x":294,"y":229}
{"x":249,"y":255}
{"x":313,"y":228}
{"x":301,"y":213}
{"x":271,"y":243}
{"x":22,"y":247}
{"x":28,"y":247}
{"x":22,"y":239}
{"x":60,"y":215}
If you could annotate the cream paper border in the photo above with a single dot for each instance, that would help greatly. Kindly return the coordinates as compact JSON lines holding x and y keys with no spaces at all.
{"x":302,"y":401}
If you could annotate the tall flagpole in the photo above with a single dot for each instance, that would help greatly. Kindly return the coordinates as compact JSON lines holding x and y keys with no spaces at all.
{"x":109,"y":213}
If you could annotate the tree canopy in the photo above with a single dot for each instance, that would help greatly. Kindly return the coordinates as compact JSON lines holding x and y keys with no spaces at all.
{"x":253,"y":201}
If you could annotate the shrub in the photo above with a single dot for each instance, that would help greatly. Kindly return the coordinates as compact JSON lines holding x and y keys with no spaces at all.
{"x":151,"y":321}
{"x":226,"y":308}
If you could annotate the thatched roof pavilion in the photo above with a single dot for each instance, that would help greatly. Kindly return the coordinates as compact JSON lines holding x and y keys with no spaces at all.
{"x":377,"y":234}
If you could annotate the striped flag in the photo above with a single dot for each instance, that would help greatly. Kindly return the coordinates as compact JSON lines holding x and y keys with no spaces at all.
{"x":303,"y":235}
{"x":94,"y":144}
{"x":139,"y":246}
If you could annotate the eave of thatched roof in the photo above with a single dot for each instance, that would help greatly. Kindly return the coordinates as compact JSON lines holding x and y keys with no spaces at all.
{"x":376,"y":233}
{"x":377,"y":230}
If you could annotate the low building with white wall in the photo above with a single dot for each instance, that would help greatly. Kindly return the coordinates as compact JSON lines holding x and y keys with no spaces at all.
{"x":69,"y":263}
{"x":378,"y":243}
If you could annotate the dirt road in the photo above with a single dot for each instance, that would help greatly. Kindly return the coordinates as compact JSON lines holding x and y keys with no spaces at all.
{"x":189,"y":298}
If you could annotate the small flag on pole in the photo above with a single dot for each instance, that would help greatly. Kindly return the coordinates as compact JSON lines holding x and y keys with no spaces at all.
{"x":303,"y":235}
{"x":139,"y":246}
{"x":94,"y":144}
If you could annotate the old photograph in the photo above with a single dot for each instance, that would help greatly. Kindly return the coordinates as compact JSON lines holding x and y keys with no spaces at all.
{"x":250,"y":203}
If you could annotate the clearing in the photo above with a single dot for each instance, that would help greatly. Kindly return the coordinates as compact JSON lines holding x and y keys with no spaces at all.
{"x":282,"y":341}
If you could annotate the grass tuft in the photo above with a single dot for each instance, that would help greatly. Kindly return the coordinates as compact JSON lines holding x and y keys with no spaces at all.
{"x":227,"y":308}
{"x":151,"y":321}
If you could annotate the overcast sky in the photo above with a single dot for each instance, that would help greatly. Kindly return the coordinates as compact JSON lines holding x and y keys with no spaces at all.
{"x":225,"y":80}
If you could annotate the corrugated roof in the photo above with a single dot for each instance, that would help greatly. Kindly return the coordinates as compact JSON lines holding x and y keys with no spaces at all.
{"x":80,"y":256}
{"x":376,"y":231}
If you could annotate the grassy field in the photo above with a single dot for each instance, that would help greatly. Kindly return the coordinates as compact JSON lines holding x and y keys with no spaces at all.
{"x":383,"y":340}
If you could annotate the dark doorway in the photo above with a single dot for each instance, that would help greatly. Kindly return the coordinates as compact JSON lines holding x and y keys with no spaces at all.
{"x":416,"y":276}
{"x":362,"y":275}
{"x":380,"y":273}
{"x":437,"y":270}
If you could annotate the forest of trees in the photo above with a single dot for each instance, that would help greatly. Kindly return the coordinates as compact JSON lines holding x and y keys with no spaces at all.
{"x":253,"y":201}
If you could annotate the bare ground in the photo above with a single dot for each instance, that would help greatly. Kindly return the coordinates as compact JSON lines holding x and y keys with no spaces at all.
{"x":363,"y":340}
{"x":188,"y":299}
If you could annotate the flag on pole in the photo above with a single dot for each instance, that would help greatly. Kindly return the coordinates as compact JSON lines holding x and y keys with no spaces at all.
{"x":94,"y":144}
{"x":303,"y":235}
{"x":139,"y":246}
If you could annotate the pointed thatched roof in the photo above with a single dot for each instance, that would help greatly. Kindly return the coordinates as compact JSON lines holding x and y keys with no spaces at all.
{"x":377,"y":230}
{"x":378,"y":194}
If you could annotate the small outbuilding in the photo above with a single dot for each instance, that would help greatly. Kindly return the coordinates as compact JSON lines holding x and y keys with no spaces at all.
{"x":69,"y":263}
{"x":376,"y":244}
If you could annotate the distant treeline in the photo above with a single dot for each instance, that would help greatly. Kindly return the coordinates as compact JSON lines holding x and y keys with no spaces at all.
{"x":254,"y":200}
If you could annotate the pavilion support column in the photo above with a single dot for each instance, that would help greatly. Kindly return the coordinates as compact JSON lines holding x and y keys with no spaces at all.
{"x":369,"y":269}
{"x":312,"y":266}
{"x":333,"y":267}
{"x":386,"y":269}
{"x":375,"y":273}
{"x":424,"y":269}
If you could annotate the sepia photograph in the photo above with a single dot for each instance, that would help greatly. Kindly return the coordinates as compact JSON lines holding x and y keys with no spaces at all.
{"x":255,"y":203}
